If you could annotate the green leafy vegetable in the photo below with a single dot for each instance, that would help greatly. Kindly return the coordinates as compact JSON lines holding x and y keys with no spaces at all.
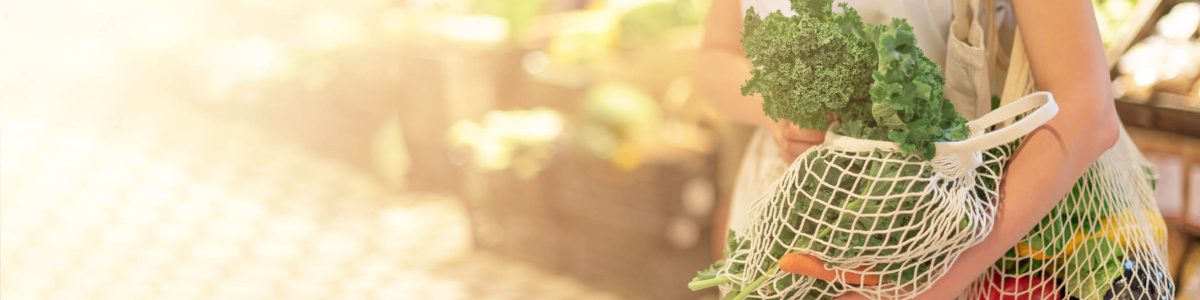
{"x":872,"y":78}
{"x":808,"y":65}
{"x":648,"y":22}
{"x":1093,"y":267}
{"x":708,"y":277}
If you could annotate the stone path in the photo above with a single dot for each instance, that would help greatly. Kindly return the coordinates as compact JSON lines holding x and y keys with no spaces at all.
{"x":104,"y":202}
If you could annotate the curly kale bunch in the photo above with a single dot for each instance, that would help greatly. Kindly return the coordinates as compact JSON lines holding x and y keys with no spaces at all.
{"x":808,"y":65}
{"x":872,"y":78}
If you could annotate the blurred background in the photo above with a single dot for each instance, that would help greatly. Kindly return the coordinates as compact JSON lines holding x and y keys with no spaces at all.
{"x":419,"y":149}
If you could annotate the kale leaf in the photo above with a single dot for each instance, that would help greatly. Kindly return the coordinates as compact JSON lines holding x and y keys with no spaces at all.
{"x":872,"y":78}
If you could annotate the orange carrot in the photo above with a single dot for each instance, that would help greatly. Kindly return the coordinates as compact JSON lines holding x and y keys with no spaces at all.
{"x":811,"y":266}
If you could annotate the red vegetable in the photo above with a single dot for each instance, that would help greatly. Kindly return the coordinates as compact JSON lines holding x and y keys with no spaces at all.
{"x":1019,"y":288}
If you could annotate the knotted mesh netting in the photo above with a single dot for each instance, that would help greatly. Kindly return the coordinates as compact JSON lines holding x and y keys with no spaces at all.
{"x":1105,"y":240}
{"x":886,"y":225}
{"x":854,"y":215}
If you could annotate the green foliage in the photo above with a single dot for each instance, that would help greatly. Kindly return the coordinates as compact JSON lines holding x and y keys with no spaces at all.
{"x":852,"y":214}
{"x":808,"y":65}
{"x":1093,"y":267}
{"x":647,"y":23}
{"x":906,"y":97}
{"x":852,"y":209}
{"x":520,"y":14}
{"x":872,"y":78}
{"x":1096,"y":261}
{"x":1014,"y":264}
{"x":708,"y":277}
{"x":878,"y":85}
{"x":1090,"y":200}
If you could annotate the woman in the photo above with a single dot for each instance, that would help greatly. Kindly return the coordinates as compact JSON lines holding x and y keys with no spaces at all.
{"x":1065,"y":54}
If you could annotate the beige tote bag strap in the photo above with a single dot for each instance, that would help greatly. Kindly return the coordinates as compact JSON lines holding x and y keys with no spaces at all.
{"x":992,"y":36}
{"x":1020,"y":77}
{"x":999,"y":29}
{"x":970,"y":13}
{"x":968,"y":84}
{"x":962,"y":17}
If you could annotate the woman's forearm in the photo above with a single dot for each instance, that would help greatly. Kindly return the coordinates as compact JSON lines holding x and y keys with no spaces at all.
{"x":1039,"y":175}
{"x":1067,"y":59}
{"x":722,"y":66}
{"x":719,"y":82}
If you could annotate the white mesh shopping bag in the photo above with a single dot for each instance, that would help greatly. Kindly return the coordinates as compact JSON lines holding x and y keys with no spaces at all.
{"x":873,"y":220}
{"x":1105,"y":240}
{"x":853,"y":215}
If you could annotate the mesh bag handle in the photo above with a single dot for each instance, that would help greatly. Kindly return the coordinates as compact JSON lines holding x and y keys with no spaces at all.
{"x":1017,"y":98}
{"x":1038,"y":109}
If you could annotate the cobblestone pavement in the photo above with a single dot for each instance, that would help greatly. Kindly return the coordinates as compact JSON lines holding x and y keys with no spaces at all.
{"x":165,"y":204}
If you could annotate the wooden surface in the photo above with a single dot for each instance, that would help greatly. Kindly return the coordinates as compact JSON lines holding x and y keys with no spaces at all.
{"x":1177,"y":160}
{"x":1163,"y":112}
{"x":1188,"y":283}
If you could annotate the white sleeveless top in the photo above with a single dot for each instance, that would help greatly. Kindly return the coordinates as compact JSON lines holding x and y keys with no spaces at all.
{"x":761,"y":165}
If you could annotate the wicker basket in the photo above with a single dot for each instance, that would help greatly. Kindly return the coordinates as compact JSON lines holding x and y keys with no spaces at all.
{"x":616,"y":225}
{"x":584,"y":217}
{"x":514,"y":217}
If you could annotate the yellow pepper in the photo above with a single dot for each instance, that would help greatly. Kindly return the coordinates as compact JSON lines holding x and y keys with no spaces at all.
{"x":1126,"y":228}
{"x":1026,"y":250}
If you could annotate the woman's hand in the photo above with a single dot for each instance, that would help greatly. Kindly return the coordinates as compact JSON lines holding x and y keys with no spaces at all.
{"x":793,"y":140}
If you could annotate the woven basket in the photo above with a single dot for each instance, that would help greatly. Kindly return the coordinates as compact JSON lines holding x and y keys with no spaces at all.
{"x":514,"y":217}
{"x":616,"y":224}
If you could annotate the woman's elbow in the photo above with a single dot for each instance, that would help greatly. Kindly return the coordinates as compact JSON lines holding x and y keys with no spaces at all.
{"x":1087,"y":128}
{"x":1111,"y":133}
{"x":1104,"y":132}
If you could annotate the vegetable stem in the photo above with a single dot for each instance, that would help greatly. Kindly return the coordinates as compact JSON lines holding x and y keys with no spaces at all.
{"x":756,"y":283}
{"x":697,"y":285}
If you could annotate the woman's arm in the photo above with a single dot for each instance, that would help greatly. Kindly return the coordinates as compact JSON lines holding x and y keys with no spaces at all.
{"x":723,"y":67}
{"x":1063,"y":45}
